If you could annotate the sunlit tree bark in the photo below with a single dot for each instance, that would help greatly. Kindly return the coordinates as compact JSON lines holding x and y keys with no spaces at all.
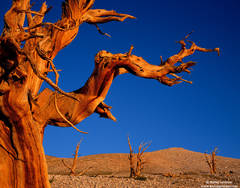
{"x":26,"y":58}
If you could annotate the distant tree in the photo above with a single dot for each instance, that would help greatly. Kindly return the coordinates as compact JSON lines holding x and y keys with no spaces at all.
{"x":74,"y":164}
{"x":26,"y":58}
{"x":136,"y":161}
{"x":211,"y":161}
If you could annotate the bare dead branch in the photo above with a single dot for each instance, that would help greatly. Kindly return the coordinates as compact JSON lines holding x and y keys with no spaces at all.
{"x":131,"y":160}
{"x":31,"y":12}
{"x":43,"y":55}
{"x":48,"y":9}
{"x":56,"y":70}
{"x":130,"y":51}
{"x":180,"y":78}
{"x":186,"y":37}
{"x":143,"y":147}
{"x":104,"y":111}
{"x":161,"y":60}
{"x":140,"y":162}
{"x":139,"y":67}
{"x":83,"y":171}
{"x":35,"y":70}
{"x":96,"y":16}
{"x":45,"y":24}
{"x":66,"y":165}
{"x":64,"y":118}
{"x":102,"y":33}
{"x":74,"y":164}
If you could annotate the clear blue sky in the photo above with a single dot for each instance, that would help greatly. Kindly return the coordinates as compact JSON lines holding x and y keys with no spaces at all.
{"x":197,"y":117}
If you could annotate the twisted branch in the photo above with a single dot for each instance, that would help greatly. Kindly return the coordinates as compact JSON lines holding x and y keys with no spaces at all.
{"x":46,"y":79}
{"x":128,"y":63}
{"x":96,"y":16}
{"x":102,"y":33}
{"x":63,"y":117}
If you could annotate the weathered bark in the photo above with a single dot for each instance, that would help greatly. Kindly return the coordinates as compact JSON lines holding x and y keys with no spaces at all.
{"x":26,"y":57}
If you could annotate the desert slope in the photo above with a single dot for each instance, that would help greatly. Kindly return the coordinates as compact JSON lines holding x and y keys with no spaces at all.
{"x":172,"y":160}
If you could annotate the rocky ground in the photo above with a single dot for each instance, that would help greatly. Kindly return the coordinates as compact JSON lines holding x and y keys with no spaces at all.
{"x":173,"y":168}
{"x":154,"y":181}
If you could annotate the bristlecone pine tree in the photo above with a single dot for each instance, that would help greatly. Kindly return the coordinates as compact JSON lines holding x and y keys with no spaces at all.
{"x":26,"y":58}
{"x":74,"y":163}
{"x":136,"y":161}
{"x":211,"y":161}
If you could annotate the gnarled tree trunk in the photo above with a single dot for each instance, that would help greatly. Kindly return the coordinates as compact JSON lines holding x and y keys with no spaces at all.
{"x":26,"y":57}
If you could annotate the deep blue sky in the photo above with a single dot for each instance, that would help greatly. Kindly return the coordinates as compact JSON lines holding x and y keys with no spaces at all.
{"x":197,"y":117}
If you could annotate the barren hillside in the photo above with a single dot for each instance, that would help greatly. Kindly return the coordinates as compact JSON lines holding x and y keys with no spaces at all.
{"x":173,"y":160}
{"x":174,"y":167}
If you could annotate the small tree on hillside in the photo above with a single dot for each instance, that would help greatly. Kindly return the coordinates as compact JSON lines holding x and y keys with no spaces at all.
{"x":74,"y":164}
{"x":211,"y":161}
{"x":136,"y":160}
